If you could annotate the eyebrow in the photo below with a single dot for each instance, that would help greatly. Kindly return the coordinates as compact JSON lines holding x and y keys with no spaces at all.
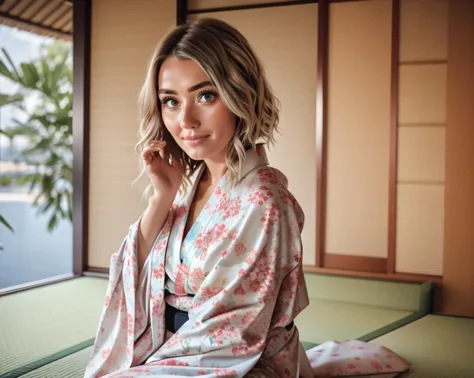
{"x":190,"y":89}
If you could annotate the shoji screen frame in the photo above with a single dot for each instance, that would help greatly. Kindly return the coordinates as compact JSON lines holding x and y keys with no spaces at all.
{"x":348,"y":265}
{"x":358,"y":266}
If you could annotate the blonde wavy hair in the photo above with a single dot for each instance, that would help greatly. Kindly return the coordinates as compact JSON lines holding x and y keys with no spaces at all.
{"x":237,"y":73}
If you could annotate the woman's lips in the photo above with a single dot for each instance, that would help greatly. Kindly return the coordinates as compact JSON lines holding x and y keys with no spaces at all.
{"x":195,"y":141}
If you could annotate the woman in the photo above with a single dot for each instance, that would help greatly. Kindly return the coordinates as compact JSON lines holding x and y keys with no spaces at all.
{"x":209,"y":279}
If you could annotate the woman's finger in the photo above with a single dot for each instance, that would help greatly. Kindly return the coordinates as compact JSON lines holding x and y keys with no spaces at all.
{"x":162,"y":153}
{"x":153,"y":146}
{"x":153,"y":151}
{"x":157,"y":143}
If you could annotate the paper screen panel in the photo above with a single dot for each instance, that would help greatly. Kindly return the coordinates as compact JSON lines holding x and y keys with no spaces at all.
{"x":118,"y":69}
{"x":421,"y":154}
{"x":285,"y":39}
{"x":424,"y":30}
{"x":358,"y":128}
{"x":420,"y":229}
{"x":422,"y":95}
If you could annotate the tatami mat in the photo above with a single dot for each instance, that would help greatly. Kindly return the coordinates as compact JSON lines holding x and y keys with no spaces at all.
{"x":45,"y":321}
{"x":437,"y":346}
{"x":386,"y":294}
{"x":72,"y":366}
{"x":325,"y":320}
{"x":46,"y":332}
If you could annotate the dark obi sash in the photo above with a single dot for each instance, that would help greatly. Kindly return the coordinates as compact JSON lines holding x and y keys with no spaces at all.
{"x":174,"y":319}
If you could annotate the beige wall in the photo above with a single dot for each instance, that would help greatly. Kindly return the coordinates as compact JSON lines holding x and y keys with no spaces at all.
{"x":285,"y":39}
{"x":123,"y":38}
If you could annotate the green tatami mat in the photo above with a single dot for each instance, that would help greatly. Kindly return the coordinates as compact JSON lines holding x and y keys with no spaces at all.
{"x":436,"y":346}
{"x":41,"y":322}
{"x":396,"y":295}
{"x":325,"y":320}
{"x":72,"y":366}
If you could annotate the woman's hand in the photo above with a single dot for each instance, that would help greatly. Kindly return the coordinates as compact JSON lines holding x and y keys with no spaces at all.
{"x":165,"y":175}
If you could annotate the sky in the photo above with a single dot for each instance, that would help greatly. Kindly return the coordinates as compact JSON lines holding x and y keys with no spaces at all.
{"x":21,"y":46}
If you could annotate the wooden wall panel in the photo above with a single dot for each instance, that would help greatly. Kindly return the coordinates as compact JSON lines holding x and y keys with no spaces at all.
{"x":285,"y":39}
{"x":458,"y":278}
{"x":358,"y":128}
{"x":423,"y":30}
{"x":420,"y":222}
{"x":422,"y":94}
{"x":206,"y":4}
{"x":118,"y":68}
{"x":421,"y":154}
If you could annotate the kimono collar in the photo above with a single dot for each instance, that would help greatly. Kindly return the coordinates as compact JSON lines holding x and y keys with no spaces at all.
{"x":253,"y":160}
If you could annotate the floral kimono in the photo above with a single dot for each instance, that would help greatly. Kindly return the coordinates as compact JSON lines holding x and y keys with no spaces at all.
{"x":238,"y":274}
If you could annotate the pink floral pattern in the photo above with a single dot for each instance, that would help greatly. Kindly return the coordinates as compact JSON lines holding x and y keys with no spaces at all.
{"x":352,"y":358}
{"x":242,"y":262}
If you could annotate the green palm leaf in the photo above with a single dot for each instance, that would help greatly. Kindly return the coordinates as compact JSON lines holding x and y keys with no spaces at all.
{"x":5,"y":223}
{"x":47,"y":129}
{"x":31,"y":77}
{"x":20,"y":129}
{"x":10,"y":99}
{"x":4,"y":70}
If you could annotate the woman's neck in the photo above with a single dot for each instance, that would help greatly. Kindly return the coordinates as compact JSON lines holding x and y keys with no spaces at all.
{"x":212,"y":176}
{"x":214,"y":171}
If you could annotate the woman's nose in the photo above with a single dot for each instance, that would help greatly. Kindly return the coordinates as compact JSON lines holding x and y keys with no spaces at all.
{"x":189,"y":119}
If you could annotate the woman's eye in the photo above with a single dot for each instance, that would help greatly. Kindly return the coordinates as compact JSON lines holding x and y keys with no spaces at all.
{"x":169,"y":102}
{"x":207,"y":96}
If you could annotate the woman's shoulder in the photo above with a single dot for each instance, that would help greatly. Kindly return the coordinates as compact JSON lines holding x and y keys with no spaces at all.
{"x":266,"y":188}
{"x":267,"y":177}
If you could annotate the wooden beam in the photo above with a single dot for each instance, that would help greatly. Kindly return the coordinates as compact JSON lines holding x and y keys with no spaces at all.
{"x":21,"y":23}
{"x":458,"y":262}
{"x":251,"y":6}
{"x":12,"y":6}
{"x":321,"y":128}
{"x":355,"y":263}
{"x":81,"y":126}
{"x":393,"y":157}
{"x":181,"y":11}
{"x":50,"y":13}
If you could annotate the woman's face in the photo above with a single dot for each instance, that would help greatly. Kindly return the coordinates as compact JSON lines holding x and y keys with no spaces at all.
{"x":192,"y":110}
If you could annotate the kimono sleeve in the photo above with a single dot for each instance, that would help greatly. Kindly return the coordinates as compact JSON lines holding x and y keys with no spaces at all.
{"x":123,"y":338}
